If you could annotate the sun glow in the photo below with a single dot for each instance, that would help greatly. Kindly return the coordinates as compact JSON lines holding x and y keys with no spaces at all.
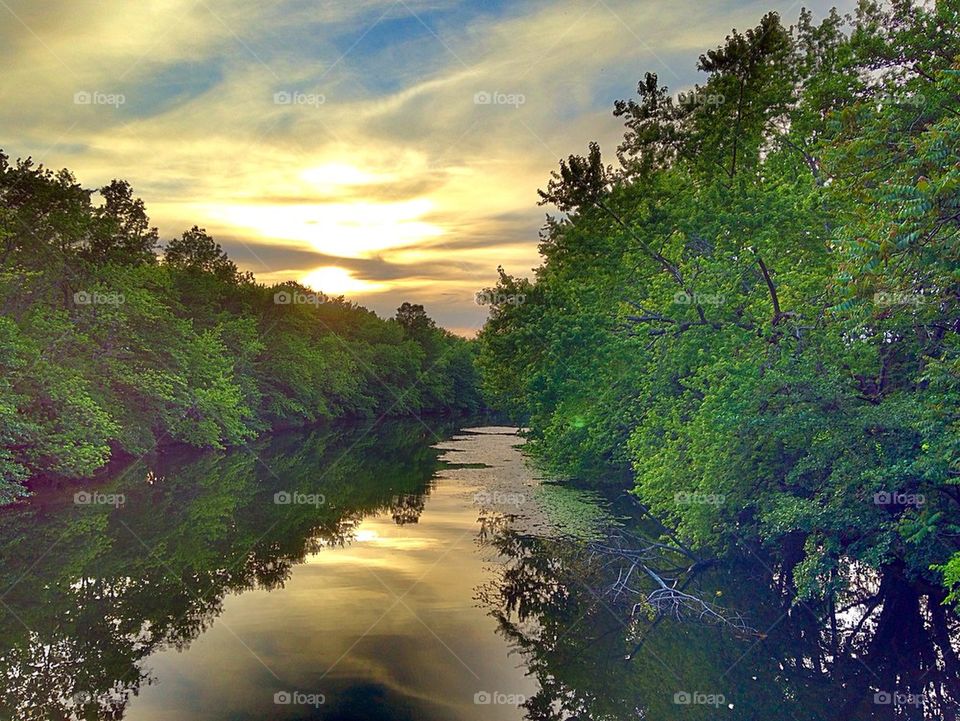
{"x":338,"y":281}
{"x":356,"y":229}
{"x":332,"y":176}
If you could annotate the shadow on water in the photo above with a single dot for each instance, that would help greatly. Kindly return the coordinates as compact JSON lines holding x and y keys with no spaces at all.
{"x":889,"y":653}
{"x":90,"y":590}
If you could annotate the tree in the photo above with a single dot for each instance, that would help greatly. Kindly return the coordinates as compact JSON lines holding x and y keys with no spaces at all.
{"x":759,"y":306}
{"x":105,"y":351}
{"x":197,"y":252}
{"x":125,"y":235}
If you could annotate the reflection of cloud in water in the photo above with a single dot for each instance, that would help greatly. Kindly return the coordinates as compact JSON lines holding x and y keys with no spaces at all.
{"x":337,"y":628}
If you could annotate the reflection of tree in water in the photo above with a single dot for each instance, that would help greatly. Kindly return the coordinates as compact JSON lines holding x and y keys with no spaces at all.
{"x":598,"y":655}
{"x":95,"y":590}
{"x":408,"y":507}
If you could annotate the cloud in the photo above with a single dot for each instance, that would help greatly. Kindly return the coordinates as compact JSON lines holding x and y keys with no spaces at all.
{"x":407,"y":143}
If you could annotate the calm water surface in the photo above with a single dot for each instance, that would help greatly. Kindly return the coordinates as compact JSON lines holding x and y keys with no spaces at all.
{"x":402,"y":572}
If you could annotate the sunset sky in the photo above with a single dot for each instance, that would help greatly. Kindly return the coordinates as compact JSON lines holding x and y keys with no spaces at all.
{"x":347,"y":145}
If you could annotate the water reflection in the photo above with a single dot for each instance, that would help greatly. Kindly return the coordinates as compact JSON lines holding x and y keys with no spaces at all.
{"x":202,"y":596}
{"x":889,"y":653}
{"x":90,"y":591}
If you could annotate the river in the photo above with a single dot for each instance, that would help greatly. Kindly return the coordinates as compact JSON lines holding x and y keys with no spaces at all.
{"x":416,"y":571}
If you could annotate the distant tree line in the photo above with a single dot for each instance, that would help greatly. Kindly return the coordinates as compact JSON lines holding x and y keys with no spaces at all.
{"x":109,"y":346}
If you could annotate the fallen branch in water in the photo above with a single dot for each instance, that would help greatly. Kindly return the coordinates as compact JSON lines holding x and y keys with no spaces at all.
{"x":638,"y":557}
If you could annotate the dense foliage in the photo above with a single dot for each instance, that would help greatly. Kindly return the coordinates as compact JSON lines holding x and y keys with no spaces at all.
{"x":754,"y":314}
{"x":107,"y":347}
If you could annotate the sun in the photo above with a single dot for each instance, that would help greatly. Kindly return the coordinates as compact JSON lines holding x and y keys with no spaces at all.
{"x":338,"y":281}
{"x":344,"y":228}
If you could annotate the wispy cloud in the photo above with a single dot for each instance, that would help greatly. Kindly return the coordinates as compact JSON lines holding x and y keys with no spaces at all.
{"x":402,"y":141}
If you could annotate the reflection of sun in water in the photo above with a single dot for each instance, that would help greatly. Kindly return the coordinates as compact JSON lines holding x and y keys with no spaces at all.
{"x":366,"y":535}
{"x":336,"y":281}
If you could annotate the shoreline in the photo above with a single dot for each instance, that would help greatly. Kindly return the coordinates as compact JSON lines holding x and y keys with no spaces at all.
{"x":121,"y":461}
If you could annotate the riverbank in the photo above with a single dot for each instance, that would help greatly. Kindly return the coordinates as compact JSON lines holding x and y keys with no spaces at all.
{"x":121,"y":461}
{"x":111,"y":346}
